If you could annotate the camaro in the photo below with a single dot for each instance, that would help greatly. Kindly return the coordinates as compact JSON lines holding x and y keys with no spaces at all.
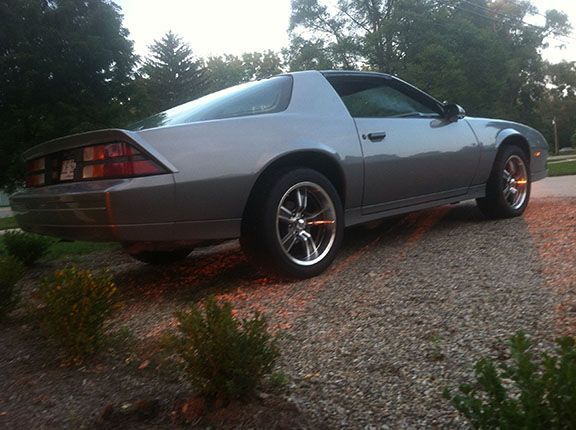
{"x":285,"y":164}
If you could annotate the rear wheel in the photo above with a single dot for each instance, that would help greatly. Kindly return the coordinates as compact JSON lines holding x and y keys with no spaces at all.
{"x":297,"y":226}
{"x":161,"y":257}
{"x":508,"y":188}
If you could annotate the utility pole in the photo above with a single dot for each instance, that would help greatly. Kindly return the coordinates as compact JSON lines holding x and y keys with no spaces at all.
{"x":555,"y":136}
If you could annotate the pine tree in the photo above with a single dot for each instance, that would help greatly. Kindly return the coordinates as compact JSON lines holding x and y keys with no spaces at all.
{"x":171,"y":75}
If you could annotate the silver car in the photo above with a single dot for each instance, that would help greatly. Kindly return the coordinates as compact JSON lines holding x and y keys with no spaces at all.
{"x":285,"y":164}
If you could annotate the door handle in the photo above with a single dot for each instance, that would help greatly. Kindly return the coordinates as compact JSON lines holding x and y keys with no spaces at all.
{"x":375,"y":137}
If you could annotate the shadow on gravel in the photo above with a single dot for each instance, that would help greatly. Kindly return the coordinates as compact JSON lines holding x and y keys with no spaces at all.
{"x":223,"y":269}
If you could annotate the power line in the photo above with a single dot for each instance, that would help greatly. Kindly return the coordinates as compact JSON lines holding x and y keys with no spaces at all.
{"x":520,"y":4}
{"x":511,"y":18}
{"x":518,"y":19}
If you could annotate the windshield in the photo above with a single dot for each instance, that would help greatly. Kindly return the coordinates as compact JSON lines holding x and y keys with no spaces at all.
{"x":253,"y":98}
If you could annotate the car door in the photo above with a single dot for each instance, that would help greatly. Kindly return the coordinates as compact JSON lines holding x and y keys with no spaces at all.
{"x":411,"y":153}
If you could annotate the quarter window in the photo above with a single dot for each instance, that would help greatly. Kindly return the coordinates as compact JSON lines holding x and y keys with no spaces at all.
{"x":253,"y":98}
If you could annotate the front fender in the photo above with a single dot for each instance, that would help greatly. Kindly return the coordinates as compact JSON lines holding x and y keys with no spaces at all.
{"x":493,"y":133}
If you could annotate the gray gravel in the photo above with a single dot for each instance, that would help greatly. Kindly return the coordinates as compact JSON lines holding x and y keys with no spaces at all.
{"x":406,"y":310}
{"x":408,"y":318}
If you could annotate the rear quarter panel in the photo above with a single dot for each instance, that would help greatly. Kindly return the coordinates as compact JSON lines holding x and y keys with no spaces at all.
{"x":219,"y":161}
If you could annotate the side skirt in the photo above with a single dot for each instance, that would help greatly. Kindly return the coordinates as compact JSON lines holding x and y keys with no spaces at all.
{"x":356,"y":216}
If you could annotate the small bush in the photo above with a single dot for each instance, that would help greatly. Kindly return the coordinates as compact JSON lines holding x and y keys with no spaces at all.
{"x":524,"y":394}
{"x":225,"y":357}
{"x":75,"y":305}
{"x":278,"y":381}
{"x":11,"y":270}
{"x":26,"y":247}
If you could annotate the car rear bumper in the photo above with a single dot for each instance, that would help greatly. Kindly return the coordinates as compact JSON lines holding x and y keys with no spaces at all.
{"x":118,"y":210}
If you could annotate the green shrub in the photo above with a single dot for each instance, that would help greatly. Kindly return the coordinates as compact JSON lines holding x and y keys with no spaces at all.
{"x":225,"y":357}
{"x":525,"y":393}
{"x":278,"y":380}
{"x":75,"y":305}
{"x":26,"y":247}
{"x":11,"y":270}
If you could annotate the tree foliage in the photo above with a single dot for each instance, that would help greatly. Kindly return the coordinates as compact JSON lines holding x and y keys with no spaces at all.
{"x":65,"y":67}
{"x":171,"y":75}
{"x":479,"y":53}
{"x":559,"y":103}
{"x":228,"y":70}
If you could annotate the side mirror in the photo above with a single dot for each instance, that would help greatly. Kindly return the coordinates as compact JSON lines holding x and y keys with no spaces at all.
{"x":453,"y":112}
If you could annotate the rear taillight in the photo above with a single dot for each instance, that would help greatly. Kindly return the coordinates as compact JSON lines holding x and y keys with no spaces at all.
{"x":116,"y":160}
{"x":119,"y":170}
{"x":111,"y":160}
{"x":110,"y":150}
{"x":35,"y":172}
{"x":35,"y":181}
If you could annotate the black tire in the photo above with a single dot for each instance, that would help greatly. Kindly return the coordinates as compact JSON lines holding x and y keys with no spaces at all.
{"x":310,"y":227}
{"x":500,"y":201}
{"x":161,"y":257}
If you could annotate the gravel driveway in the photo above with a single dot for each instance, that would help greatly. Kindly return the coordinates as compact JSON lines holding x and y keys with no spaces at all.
{"x":406,"y":310}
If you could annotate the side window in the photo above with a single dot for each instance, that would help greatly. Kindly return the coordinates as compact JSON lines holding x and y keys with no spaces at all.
{"x":377,"y":97}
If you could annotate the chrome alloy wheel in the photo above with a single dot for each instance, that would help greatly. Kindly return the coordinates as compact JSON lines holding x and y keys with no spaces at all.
{"x":515,"y":182}
{"x":306,"y":223}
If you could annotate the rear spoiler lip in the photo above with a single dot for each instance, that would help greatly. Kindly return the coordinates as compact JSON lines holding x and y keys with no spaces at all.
{"x":95,"y":138}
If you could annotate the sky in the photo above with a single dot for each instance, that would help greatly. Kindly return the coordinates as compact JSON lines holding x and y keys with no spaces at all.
{"x":236,"y":26}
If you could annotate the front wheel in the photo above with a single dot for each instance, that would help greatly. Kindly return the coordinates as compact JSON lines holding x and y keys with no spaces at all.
{"x":296,"y":227}
{"x":508,"y":188}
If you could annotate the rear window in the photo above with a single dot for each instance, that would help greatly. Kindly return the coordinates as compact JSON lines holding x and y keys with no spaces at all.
{"x":253,"y":98}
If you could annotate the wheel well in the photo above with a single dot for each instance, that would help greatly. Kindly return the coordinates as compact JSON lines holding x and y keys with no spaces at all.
{"x":520,"y":141}
{"x":318,"y":161}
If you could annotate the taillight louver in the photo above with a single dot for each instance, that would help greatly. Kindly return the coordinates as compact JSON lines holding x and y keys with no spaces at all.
{"x":36,"y":172}
{"x":116,"y":160}
{"x":105,"y":161}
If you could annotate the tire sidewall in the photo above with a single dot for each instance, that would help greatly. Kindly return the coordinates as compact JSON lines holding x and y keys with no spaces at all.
{"x":274,"y":252}
{"x":498,"y":180}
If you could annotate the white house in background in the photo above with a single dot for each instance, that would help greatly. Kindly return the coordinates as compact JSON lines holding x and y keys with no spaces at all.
{"x":4,"y":199}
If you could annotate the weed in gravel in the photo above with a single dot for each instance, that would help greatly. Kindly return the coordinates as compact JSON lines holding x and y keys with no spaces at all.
{"x":11,"y":270}
{"x":225,"y":357}
{"x":26,"y":247}
{"x":437,"y":341}
{"x":526,"y":393}
{"x":74,"y":307}
{"x":278,"y":381}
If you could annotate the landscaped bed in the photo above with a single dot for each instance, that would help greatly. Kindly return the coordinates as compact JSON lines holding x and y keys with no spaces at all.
{"x":407,"y":310}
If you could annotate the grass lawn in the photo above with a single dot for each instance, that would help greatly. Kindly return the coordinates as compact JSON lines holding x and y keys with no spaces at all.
{"x":67,"y":249}
{"x":60,"y":250}
{"x":562,"y":169}
{"x":6,"y":223}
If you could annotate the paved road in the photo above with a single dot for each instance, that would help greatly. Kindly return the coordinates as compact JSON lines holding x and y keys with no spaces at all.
{"x":557,"y":186}
{"x":5,"y":212}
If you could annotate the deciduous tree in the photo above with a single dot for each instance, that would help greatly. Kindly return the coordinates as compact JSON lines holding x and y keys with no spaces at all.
{"x":482,"y":54}
{"x":65,"y":67}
